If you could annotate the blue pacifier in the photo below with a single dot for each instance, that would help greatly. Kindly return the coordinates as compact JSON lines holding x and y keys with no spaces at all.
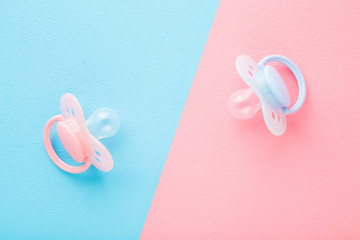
{"x":271,"y":94}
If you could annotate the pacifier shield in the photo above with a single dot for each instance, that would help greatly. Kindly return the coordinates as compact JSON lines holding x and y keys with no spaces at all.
{"x":98,"y":154}
{"x":275,"y":120}
{"x":77,"y":139}
{"x":100,"y":157}
{"x":247,"y":68}
{"x":274,"y":117}
{"x":71,"y":108}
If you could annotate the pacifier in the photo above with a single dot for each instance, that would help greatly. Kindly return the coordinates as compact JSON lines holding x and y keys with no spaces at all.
{"x":80,"y":138}
{"x":267,"y":91}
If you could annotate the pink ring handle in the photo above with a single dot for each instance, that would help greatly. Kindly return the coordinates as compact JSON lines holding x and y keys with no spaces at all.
{"x":53,"y":156}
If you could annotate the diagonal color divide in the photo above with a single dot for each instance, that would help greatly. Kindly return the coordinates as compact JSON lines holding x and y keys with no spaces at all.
{"x":227,"y":179}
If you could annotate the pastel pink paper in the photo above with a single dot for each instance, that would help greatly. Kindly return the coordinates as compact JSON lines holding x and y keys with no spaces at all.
{"x":231,"y":179}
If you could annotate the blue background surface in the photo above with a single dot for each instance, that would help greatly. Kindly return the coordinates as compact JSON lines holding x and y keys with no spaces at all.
{"x":137,"y":57}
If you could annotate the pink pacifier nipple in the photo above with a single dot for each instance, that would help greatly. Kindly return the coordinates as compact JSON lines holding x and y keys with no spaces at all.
{"x":267,"y":91}
{"x":80,"y":137}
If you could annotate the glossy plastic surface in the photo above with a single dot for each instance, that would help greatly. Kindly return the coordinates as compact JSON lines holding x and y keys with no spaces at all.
{"x":244,"y":104}
{"x":277,"y":86}
{"x":103,"y":123}
{"x":298,"y":75}
{"x":70,"y":141}
{"x":52,"y":154}
{"x":76,"y":137}
{"x":270,"y":89}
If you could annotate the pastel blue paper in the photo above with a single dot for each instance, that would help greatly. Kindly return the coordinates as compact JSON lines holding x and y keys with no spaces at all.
{"x":136,"y":57}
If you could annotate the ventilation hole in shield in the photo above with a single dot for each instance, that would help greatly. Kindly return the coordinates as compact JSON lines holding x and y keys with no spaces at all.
{"x":273,"y":115}
{"x":67,"y":109}
{"x":72,"y":111}
{"x":279,"y":118}
{"x":250,"y":73}
{"x":97,"y":153}
{"x":251,"y":67}
{"x":97,"y":159}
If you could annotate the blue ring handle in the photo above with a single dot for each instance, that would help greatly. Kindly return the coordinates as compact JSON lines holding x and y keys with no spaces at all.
{"x":298,"y":75}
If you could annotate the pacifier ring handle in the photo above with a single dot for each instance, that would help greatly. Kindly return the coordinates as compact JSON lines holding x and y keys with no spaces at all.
{"x":298,"y":75}
{"x":53,"y":156}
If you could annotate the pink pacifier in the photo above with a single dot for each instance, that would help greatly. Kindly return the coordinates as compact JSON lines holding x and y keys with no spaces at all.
{"x":267,"y":92}
{"x":80,"y":137}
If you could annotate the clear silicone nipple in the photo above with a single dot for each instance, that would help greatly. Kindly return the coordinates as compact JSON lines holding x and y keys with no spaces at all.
{"x":103,"y":123}
{"x":244,"y":104}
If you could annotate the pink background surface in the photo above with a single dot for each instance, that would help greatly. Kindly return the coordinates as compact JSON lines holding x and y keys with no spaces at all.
{"x":231,"y":179}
